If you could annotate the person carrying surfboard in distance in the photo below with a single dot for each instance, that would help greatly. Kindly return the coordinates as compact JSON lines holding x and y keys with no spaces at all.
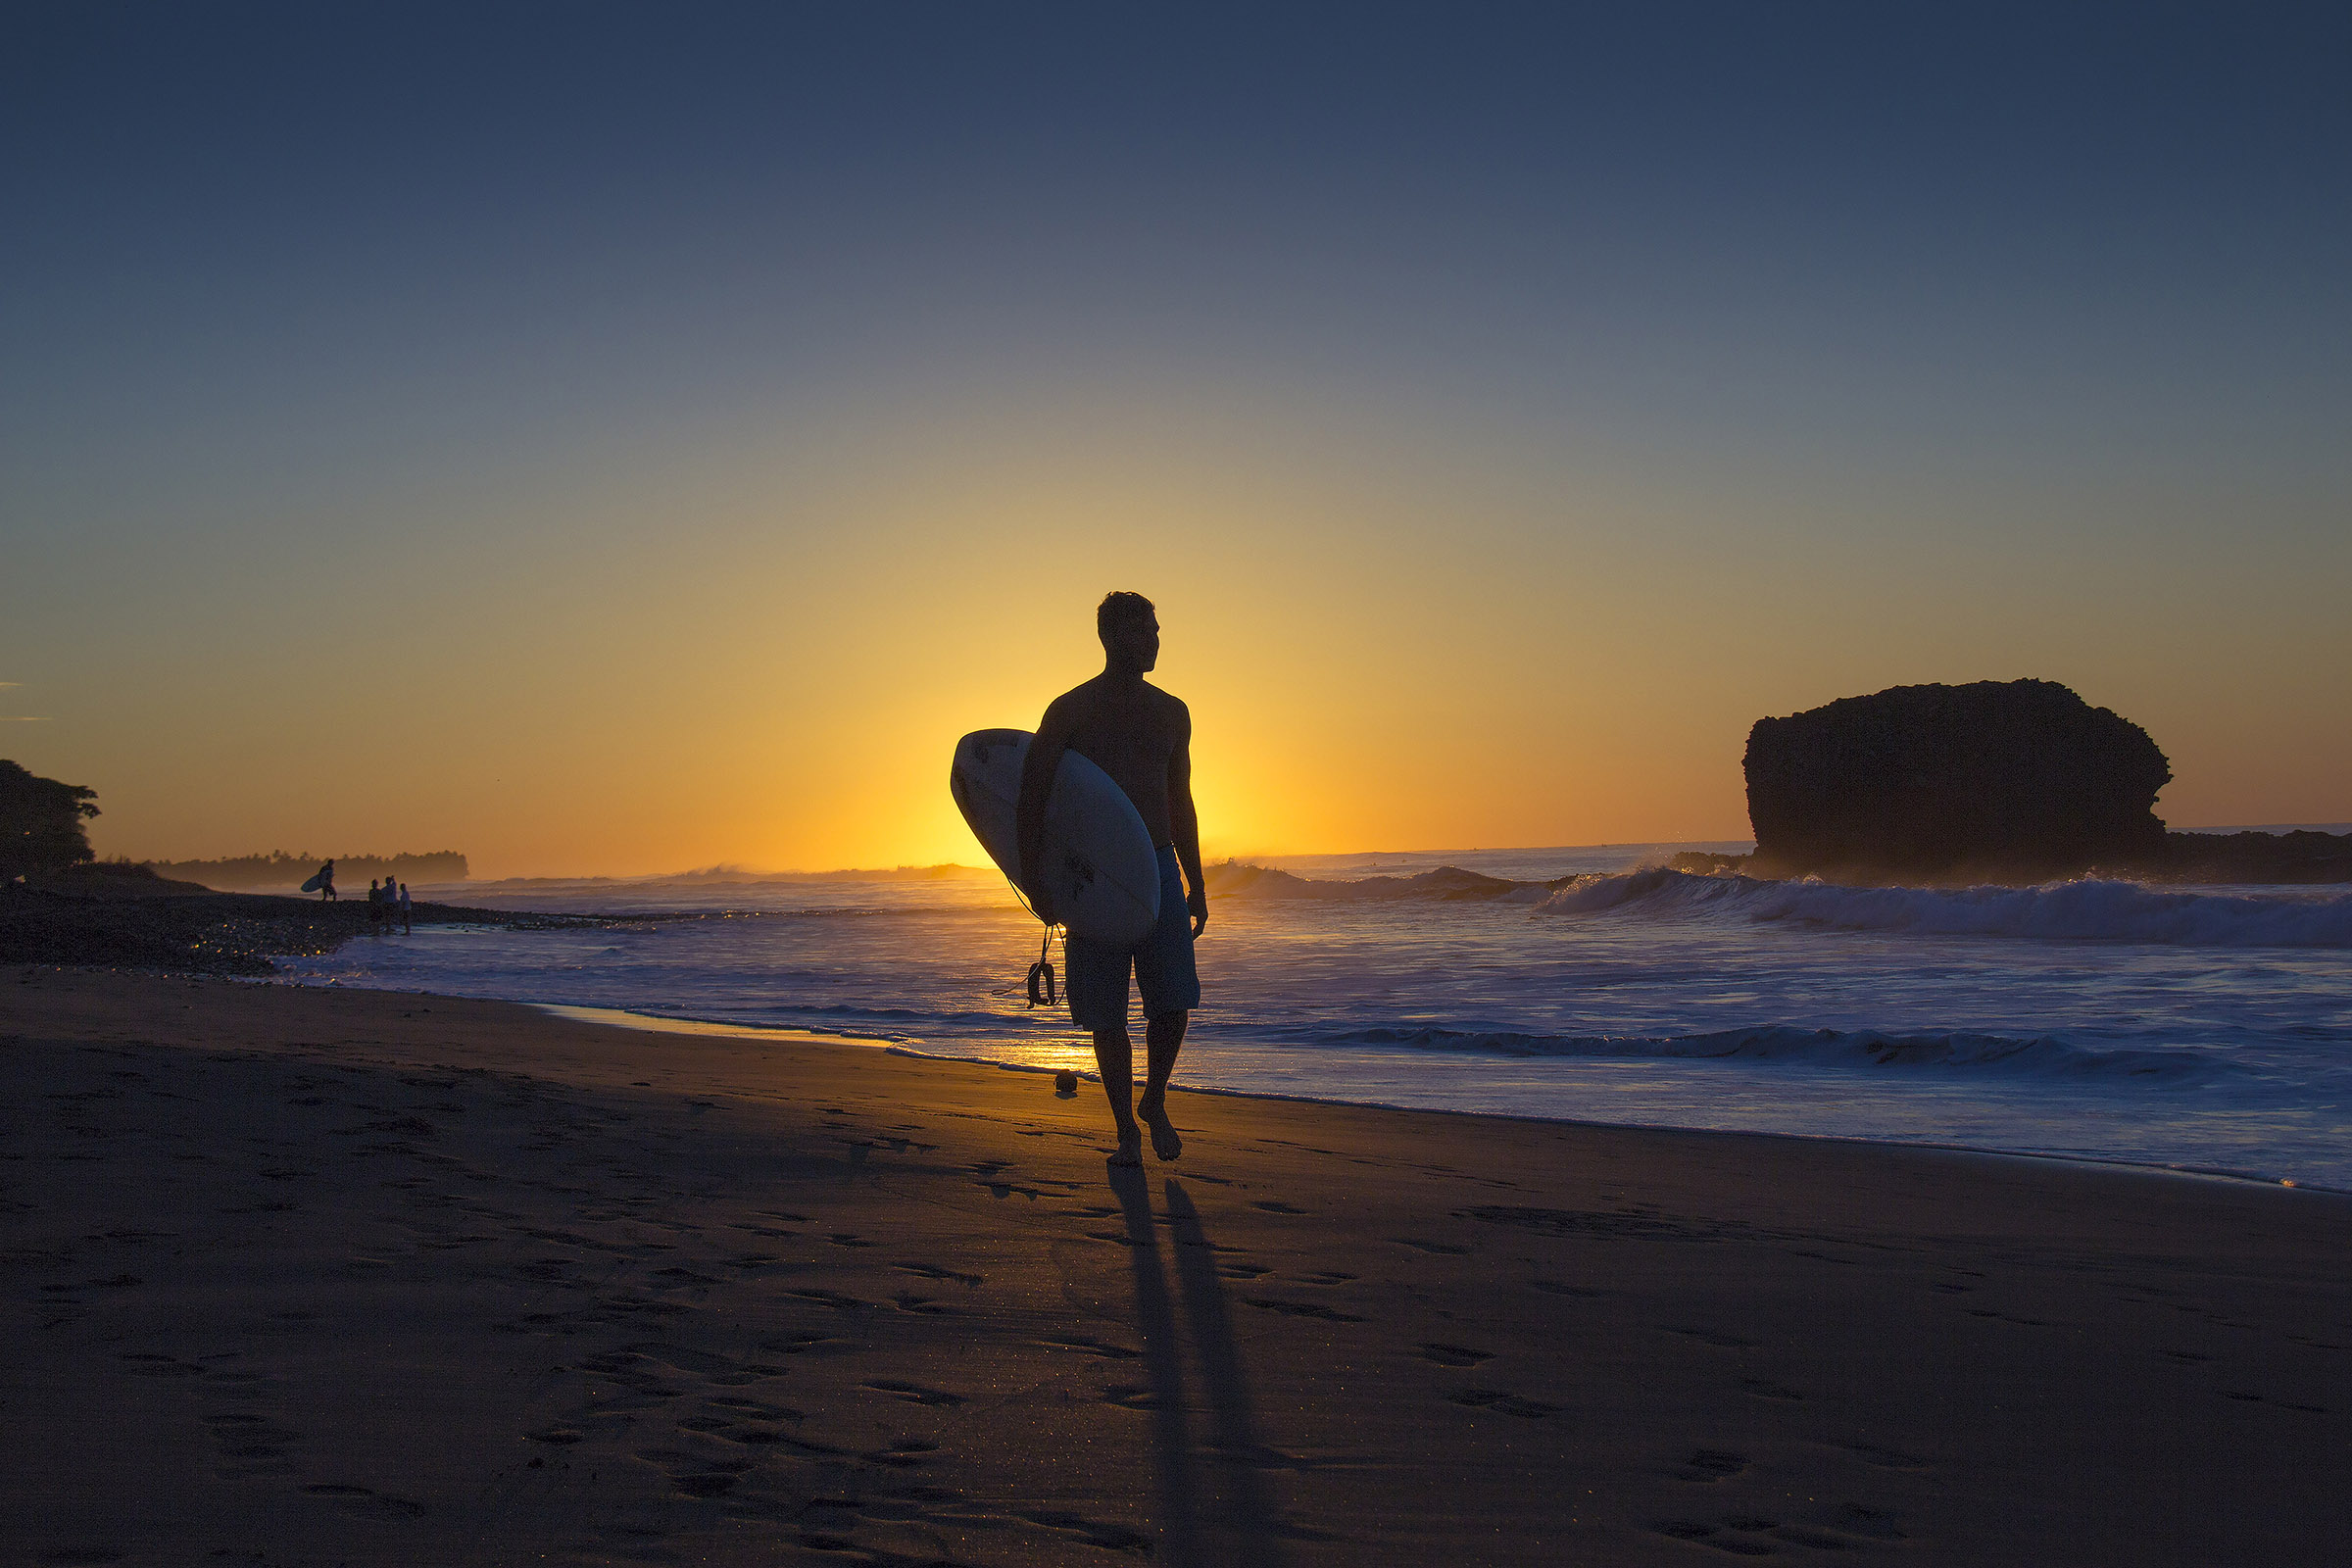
{"x":1143,"y":738}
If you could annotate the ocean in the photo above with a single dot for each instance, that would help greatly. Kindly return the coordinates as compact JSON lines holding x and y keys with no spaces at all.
{"x":2201,"y":1029}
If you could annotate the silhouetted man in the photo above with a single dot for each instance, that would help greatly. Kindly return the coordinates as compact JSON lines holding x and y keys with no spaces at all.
{"x":1143,"y":738}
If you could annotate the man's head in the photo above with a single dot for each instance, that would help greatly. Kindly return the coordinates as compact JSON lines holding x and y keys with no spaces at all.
{"x":1130,"y":631}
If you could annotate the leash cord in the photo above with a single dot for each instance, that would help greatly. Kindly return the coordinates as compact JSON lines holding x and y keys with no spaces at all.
{"x":1041,"y":973}
{"x":1042,"y":992}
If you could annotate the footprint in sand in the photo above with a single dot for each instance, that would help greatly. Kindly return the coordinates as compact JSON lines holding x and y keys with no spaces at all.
{"x":365,"y":1501}
{"x":1754,"y":1535}
{"x":1711,"y":1465}
{"x":932,"y":1271}
{"x":1884,"y":1458}
{"x":834,"y":1300}
{"x":1093,"y":1348}
{"x":1721,"y":1341}
{"x":243,"y":1436}
{"x":1315,"y":1309}
{"x":1739,"y":1536}
{"x":1109,"y":1537}
{"x":914,"y":1393}
{"x":903,"y":1453}
{"x":736,"y":1411}
{"x":1507,"y":1404}
{"x":1132,"y":1396}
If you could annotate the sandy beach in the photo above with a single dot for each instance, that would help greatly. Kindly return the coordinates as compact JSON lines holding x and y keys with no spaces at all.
{"x":308,"y":1277}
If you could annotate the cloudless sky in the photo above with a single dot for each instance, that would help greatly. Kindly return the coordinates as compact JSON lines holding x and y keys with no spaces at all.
{"x":619,"y":438}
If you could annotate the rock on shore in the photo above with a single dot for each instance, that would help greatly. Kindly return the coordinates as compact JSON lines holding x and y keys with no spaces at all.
{"x":1994,"y":777}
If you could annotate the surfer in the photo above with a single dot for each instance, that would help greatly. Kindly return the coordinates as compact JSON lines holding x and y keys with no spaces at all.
{"x":1143,"y":738}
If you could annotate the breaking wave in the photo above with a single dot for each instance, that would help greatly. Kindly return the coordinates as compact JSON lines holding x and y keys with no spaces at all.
{"x":2085,"y":910}
{"x":2039,"y":1057}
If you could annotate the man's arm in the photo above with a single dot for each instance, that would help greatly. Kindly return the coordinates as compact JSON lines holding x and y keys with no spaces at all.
{"x":1185,"y":822}
{"x":1037,"y":787}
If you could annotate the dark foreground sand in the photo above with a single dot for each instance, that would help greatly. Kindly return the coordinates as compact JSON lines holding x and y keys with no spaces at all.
{"x":303,"y":1277}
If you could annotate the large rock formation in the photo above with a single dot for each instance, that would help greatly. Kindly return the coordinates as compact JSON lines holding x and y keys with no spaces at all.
{"x":1995,"y":778}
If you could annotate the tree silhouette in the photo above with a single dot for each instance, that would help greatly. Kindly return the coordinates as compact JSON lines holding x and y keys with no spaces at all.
{"x":40,"y":822}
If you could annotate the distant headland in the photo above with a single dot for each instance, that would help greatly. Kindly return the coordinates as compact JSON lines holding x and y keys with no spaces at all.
{"x":278,"y":869}
{"x":61,"y":905}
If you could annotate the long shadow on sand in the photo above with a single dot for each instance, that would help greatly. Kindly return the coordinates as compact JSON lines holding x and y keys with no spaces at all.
{"x":1230,"y":1518}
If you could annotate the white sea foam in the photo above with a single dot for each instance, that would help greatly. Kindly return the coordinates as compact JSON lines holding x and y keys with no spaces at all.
{"x":2037,"y":1057}
{"x":2077,"y":910}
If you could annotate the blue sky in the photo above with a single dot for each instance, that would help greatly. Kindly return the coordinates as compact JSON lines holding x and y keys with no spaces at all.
{"x":1924,"y":343}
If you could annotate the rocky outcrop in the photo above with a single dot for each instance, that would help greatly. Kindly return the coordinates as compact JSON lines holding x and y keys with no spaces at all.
{"x":202,"y":932}
{"x":1993,"y":779}
{"x":2297,"y":856}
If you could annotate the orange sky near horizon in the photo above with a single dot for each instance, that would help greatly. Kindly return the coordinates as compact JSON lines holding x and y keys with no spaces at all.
{"x":1392,"y":635}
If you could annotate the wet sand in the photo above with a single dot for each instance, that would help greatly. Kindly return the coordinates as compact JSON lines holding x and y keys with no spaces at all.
{"x":308,"y":1277}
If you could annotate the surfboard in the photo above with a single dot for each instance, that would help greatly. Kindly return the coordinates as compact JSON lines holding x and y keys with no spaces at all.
{"x":1100,"y":867}
{"x":314,"y":884}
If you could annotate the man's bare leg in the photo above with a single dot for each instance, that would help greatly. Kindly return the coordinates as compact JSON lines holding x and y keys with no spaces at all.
{"x":1116,"y":1056}
{"x":1163,"y":1036}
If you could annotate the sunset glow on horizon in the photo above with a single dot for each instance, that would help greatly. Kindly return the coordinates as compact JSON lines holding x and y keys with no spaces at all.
{"x":657,"y":454}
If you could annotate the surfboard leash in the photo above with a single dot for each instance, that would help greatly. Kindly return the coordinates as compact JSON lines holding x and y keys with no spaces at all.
{"x":1042,"y":992}
{"x":1041,"y":973}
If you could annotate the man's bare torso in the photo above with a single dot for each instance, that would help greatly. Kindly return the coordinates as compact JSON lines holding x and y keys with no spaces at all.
{"x":1132,"y":732}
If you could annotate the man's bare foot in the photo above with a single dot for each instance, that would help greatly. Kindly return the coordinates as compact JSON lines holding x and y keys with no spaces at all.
{"x":1131,"y":1149}
{"x":1166,"y":1141}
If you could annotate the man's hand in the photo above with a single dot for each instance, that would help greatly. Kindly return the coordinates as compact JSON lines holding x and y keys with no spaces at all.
{"x":1196,"y":903}
{"x":1041,"y":904}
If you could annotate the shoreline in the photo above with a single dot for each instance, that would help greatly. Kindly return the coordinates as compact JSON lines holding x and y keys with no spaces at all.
{"x":657,"y":1023}
{"x":370,"y":1276}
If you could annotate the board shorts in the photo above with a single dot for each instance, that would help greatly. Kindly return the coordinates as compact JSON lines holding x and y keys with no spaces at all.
{"x":1163,"y":963}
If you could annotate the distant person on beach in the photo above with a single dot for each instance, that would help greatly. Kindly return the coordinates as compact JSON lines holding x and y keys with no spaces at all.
{"x":376,"y":906}
{"x":1143,"y":738}
{"x":326,"y":882}
{"x":407,"y":911}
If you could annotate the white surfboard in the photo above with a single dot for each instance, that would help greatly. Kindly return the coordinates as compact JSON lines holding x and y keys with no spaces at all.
{"x":315,"y":883}
{"x":1100,"y":867}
